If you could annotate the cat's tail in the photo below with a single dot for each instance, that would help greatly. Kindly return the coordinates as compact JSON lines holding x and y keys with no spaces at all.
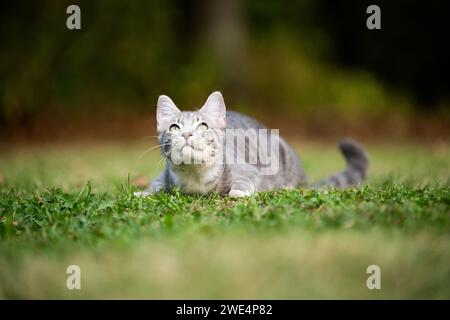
{"x":356,"y":170}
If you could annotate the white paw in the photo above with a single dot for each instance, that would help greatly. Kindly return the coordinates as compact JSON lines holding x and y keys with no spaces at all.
{"x":239,"y":193}
{"x":142,"y":193}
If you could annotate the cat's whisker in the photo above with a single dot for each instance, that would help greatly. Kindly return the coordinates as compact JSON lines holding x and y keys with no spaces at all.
{"x":152,"y":148}
{"x":160,"y":160}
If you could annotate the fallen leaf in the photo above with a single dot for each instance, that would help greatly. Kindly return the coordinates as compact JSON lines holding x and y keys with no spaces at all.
{"x":140,"y":181}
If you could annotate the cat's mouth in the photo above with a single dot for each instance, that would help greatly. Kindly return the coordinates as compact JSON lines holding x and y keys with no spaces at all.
{"x":190,"y":146}
{"x":188,"y":154}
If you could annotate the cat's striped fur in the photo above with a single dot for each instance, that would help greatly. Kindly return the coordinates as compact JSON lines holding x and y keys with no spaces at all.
{"x":199,"y":135}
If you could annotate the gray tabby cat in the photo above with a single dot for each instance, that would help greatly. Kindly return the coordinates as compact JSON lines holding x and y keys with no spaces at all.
{"x":201,"y":157}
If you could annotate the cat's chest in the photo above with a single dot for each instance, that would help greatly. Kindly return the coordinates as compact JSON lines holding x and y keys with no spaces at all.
{"x":204,"y":181}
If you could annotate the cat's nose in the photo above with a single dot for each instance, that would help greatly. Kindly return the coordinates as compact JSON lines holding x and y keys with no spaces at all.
{"x":186,"y":135}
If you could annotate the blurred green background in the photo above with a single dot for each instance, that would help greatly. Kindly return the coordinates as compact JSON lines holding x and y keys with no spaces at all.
{"x":308,"y":61}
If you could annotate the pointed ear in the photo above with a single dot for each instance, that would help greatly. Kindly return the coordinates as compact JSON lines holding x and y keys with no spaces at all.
{"x":214,"y":109}
{"x":166,"y":112}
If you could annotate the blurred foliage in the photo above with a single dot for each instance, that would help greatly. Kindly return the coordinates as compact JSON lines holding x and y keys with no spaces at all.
{"x":409,"y":52}
{"x":263,"y":55}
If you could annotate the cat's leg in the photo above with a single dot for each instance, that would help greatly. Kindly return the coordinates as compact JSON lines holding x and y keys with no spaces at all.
{"x":155,"y":186}
{"x":245,"y":182}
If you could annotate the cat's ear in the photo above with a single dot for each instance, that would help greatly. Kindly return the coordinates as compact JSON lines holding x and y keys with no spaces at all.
{"x":214,"y":109}
{"x":166,"y":112}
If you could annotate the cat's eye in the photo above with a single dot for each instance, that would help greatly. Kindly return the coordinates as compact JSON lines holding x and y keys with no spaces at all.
{"x":174,"y":128}
{"x":202,"y":127}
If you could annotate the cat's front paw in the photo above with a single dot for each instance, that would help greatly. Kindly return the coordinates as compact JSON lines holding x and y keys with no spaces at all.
{"x":239,"y":193}
{"x":142,"y":193}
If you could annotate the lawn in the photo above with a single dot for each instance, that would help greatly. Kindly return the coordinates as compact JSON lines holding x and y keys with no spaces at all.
{"x":73,"y":204}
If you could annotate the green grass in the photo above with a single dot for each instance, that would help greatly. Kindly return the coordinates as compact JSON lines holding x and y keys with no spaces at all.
{"x":63,"y":205}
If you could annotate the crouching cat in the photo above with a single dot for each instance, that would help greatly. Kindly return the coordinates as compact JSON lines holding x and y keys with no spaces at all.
{"x":214,"y":150}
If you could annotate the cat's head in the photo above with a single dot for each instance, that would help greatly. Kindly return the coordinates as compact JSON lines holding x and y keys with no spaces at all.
{"x":191,"y":137}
